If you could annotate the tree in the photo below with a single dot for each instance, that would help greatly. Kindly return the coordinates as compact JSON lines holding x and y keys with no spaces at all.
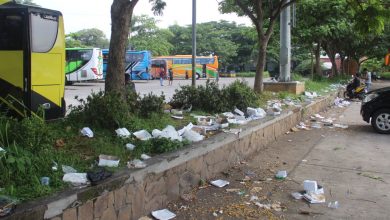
{"x":145,"y":35}
{"x":264,"y":15}
{"x":121,"y":15}
{"x":87,"y":38}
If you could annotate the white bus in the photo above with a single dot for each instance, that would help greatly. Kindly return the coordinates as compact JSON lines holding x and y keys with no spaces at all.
{"x":83,"y":64}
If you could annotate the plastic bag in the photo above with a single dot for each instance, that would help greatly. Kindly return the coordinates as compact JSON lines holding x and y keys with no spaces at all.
{"x":192,"y":136}
{"x":143,"y":135}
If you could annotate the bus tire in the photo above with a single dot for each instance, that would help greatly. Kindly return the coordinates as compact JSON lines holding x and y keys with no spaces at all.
{"x":68,"y":83}
{"x":197,"y":76}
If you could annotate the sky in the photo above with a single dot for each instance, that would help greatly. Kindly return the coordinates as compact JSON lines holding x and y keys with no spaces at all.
{"x":84,"y":14}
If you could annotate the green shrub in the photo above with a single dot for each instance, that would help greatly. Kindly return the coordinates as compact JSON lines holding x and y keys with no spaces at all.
{"x":185,"y":97}
{"x":211,"y":98}
{"x":240,"y":95}
{"x":105,"y":110}
{"x":150,"y":104}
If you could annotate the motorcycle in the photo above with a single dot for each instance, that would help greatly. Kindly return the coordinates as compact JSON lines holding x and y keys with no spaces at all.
{"x":359,"y":93}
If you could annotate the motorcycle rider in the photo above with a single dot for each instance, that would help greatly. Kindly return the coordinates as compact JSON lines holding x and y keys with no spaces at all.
{"x":355,"y":83}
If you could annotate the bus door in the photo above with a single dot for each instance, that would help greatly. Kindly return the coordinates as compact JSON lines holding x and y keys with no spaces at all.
{"x":47,"y":62}
{"x":13,"y":45}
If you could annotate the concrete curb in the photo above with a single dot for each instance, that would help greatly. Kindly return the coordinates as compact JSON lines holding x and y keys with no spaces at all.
{"x":131,"y":194}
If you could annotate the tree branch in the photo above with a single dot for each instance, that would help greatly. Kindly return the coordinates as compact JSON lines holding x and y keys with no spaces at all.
{"x":282,"y":5}
{"x":246,"y":11}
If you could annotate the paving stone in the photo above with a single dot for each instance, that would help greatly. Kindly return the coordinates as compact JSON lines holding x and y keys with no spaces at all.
{"x":124,"y":213}
{"x":120,"y":197}
{"x":86,"y":211}
{"x":70,"y":214}
{"x":109,"y":214}
{"x":100,"y":205}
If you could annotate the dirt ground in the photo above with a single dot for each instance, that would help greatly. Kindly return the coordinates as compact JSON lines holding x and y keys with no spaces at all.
{"x":348,"y":163}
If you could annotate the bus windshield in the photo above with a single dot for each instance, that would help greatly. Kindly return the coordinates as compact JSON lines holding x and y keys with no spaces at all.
{"x":11,"y":32}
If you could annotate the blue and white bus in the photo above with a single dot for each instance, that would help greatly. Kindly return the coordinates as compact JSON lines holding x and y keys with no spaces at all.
{"x":138,"y":63}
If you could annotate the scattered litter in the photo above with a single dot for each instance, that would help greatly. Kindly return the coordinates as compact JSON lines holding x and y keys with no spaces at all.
{"x":256,"y":189}
{"x":302,"y":126}
{"x":68,"y":169}
{"x":276,"y":206}
{"x":228,"y":114}
{"x":282,"y":174}
{"x":136,"y":164}
{"x":108,"y":161}
{"x":192,"y":136}
{"x":254,"y":198}
{"x":304,"y":161}
{"x":294,"y":129}
{"x":163,"y":214}
{"x":59,"y":143}
{"x":55,"y":166}
{"x":130,"y":146}
{"x":87,"y":132}
{"x":145,"y":157}
{"x":233,"y":190}
{"x":233,"y":130}
{"x":219,"y":183}
{"x":177,"y":114}
{"x":341,"y":103}
{"x":76,"y":179}
{"x":308,"y":212}
{"x":239,"y":112}
{"x":143,"y":135}
{"x":316,"y":125}
{"x":7,"y":205}
{"x":256,"y":113}
{"x":310,"y":186}
{"x":333,"y":205}
{"x":96,"y":176}
{"x":45,"y":181}
{"x":205,"y":121}
{"x":2,"y":150}
{"x":311,"y":95}
{"x":274,"y":109}
{"x":188,"y":197}
{"x":340,"y":126}
{"x":215,"y":214}
{"x":314,"y":198}
{"x":188,"y":127}
{"x":168,"y":132}
{"x":297,"y":195}
{"x":123,"y":132}
{"x":268,"y":179}
{"x":314,"y":193}
{"x":319,"y":116}
{"x":263,"y":206}
{"x":289,"y":140}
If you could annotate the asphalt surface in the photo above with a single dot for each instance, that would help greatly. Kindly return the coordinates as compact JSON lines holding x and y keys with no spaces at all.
{"x":351,"y":164}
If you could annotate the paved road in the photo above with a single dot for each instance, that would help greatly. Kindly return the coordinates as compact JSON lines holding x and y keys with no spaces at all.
{"x":351,"y":164}
{"x":82,"y":90}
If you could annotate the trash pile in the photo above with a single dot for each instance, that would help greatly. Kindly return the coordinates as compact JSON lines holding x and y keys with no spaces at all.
{"x":341,"y":103}
{"x":318,"y":121}
{"x":312,"y":192}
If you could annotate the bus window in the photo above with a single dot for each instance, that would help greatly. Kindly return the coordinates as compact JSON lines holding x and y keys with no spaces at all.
{"x":44,"y":30}
{"x":11,"y":32}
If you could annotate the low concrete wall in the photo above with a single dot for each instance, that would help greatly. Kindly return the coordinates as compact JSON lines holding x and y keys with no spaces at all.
{"x":131,"y":194}
{"x":291,"y":87}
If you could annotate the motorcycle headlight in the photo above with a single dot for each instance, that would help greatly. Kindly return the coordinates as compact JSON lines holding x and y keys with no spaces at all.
{"x":370,"y":97}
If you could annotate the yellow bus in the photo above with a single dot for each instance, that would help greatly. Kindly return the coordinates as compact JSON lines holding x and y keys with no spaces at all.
{"x":32,"y":60}
{"x":181,"y":65}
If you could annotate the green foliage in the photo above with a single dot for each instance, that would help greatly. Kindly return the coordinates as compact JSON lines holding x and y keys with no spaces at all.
{"x":385,"y":75}
{"x":105,"y":110}
{"x":150,"y":104}
{"x":211,"y":99}
{"x":87,"y":38}
{"x":240,"y":95}
{"x":146,"y":35}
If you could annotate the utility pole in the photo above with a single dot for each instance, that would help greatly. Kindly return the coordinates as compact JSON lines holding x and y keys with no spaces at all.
{"x":193,"y":43}
{"x":285,"y":45}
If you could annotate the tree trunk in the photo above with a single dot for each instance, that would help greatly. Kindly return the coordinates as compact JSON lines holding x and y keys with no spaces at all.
{"x":318,"y":60}
{"x":342,"y":59}
{"x":332,"y":57}
{"x":258,"y":87}
{"x":121,"y":13}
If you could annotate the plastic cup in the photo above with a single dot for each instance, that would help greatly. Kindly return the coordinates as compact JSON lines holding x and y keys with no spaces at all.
{"x":45,"y":181}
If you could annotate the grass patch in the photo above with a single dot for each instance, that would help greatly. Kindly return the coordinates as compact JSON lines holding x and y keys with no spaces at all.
{"x":385,"y":75}
{"x":250,"y":74}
